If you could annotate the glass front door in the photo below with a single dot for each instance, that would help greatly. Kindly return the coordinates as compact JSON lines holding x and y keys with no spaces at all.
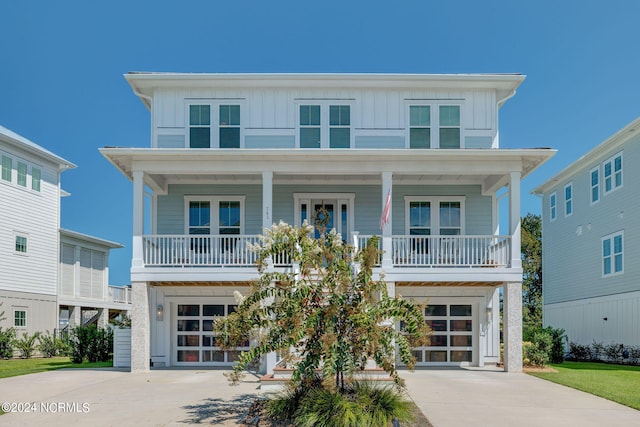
{"x":326,"y":215}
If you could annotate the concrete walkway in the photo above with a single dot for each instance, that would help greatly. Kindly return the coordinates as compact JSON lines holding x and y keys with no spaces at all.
{"x":448,"y":397}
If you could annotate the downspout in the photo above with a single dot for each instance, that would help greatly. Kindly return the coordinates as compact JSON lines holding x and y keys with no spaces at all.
{"x":499,"y":104}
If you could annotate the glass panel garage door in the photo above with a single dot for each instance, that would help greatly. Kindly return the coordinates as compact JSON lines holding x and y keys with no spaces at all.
{"x":195,"y":341}
{"x":451,"y":341}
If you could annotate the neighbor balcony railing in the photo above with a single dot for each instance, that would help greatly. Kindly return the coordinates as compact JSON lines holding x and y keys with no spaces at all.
{"x":406,"y":251}
{"x":120,"y":294}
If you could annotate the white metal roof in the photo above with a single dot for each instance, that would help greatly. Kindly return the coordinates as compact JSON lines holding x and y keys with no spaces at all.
{"x":21,"y":142}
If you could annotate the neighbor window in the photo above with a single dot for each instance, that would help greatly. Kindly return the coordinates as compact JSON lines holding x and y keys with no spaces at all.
{"x":612,"y":173}
{"x":595,"y":185}
{"x":7,"y":166}
{"x":35,"y":179}
{"x":612,"y":254}
{"x":552,"y":206}
{"x":324,"y":125}
{"x":568,"y":199}
{"x":22,"y":174}
{"x":21,"y":244}
{"x":20,"y":318}
{"x":434,"y":126}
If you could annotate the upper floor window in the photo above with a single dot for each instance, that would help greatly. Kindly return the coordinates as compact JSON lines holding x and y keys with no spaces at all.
{"x":568,"y":199}
{"x":7,"y":166}
{"x":553,"y":209}
{"x":35,"y":179}
{"x":612,"y":254}
{"x":22,"y":174}
{"x":423,"y":133}
{"x":595,"y":185}
{"x":20,"y":318}
{"x":427,"y":216}
{"x":214,"y":215}
{"x":21,"y":244}
{"x":612,"y":173}
{"x":214,"y":126}
{"x":324,"y":125}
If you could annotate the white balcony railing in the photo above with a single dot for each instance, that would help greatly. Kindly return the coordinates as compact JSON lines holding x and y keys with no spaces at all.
{"x":120,"y":294}
{"x":407,"y":251}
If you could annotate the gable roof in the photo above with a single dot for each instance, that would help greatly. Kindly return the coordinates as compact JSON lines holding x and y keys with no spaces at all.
{"x":610,"y":144}
{"x":23,"y":143}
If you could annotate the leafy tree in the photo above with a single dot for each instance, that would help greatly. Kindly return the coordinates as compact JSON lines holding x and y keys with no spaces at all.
{"x":329,"y":315}
{"x":532,"y":271}
{"x":7,"y":337}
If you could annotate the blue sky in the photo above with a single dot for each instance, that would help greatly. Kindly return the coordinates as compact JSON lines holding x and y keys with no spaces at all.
{"x":61,"y":81}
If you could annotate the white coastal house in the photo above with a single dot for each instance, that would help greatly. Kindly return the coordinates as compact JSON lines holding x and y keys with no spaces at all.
{"x":30,"y":193}
{"x":38,"y":285}
{"x":231,"y":154}
{"x":84,"y":294}
{"x":591,"y":237}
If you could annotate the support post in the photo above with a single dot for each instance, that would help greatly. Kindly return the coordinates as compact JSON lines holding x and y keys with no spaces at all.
{"x":512,"y":321}
{"x":514,"y":219}
{"x":140,"y":328}
{"x":75,"y":316}
{"x":138,"y":219}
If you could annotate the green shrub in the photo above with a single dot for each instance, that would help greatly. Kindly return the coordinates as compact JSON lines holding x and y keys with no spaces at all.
{"x":361,"y":404}
{"x":597,"y":350}
{"x":7,"y":337}
{"x":27,"y":344}
{"x":613,"y":352}
{"x":579,"y":352}
{"x":543,"y":345}
{"x":91,"y":343}
{"x":50,"y":345}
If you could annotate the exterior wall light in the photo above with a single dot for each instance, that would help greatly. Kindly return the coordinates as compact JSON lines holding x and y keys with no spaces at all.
{"x":159,"y":313}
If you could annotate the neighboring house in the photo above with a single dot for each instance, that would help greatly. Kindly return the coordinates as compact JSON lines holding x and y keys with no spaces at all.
{"x":84,"y":294}
{"x":231,"y":154}
{"x":591,"y":243}
{"x":30,"y":204}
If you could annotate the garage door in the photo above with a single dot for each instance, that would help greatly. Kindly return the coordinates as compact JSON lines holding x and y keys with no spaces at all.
{"x":195,"y":342}
{"x":451,"y":342}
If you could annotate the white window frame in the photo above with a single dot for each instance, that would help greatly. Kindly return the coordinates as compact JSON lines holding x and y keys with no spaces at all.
{"x":553,"y":206}
{"x":19,"y":165}
{"x":611,"y":237}
{"x":24,"y":236}
{"x":325,"y":126}
{"x":214,"y":120}
{"x":435,"y":211}
{"x":594,"y":187}
{"x":214,"y":203}
{"x":38,"y":181}
{"x":26,"y":318}
{"x":611,"y":161}
{"x":341,"y":199}
{"x":568,"y":201}
{"x":435,"y":119}
{"x":10,"y":170}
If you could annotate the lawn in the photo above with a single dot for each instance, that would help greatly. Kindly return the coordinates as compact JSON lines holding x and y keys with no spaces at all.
{"x":618,"y":383}
{"x":15,"y":367}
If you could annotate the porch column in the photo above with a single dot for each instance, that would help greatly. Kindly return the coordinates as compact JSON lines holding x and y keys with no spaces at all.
{"x":514,"y":218}
{"x":138,"y":219}
{"x":387,"y":247}
{"x":75,"y":316}
{"x":103,"y":318}
{"x":512,"y":324}
{"x":270,"y":359}
{"x":140,"y":324}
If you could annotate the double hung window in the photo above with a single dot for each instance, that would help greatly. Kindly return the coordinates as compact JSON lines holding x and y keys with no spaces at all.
{"x":20,"y":318}
{"x":325,"y":124}
{"x":612,"y":254}
{"x":214,"y":125}
{"x":7,"y":166}
{"x":553,"y":208}
{"x":595,"y":185}
{"x":434,"y":125}
{"x":612,"y":173}
{"x":568,"y":199}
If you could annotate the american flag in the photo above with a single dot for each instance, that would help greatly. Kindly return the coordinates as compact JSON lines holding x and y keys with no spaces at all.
{"x":384,"y":218}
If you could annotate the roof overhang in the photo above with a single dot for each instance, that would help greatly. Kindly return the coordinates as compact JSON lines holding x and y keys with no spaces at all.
{"x":144,"y":83}
{"x":612,"y":143}
{"x":91,"y":239}
{"x":492,"y":167}
{"x":31,"y":147}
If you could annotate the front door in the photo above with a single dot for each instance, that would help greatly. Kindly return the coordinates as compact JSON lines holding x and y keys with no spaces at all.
{"x":335,"y":211}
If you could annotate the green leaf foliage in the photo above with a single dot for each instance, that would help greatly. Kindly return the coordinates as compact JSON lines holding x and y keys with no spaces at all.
{"x":328,"y":314}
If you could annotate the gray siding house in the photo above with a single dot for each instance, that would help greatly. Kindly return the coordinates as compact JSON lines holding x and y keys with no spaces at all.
{"x":231,"y":154}
{"x":591,"y":243}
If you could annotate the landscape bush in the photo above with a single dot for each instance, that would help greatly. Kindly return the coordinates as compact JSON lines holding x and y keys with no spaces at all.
{"x":599,"y":352}
{"x":92,"y":344}
{"x":51,"y":345}
{"x":542,"y":345}
{"x":27,"y":344}
{"x":7,"y":337}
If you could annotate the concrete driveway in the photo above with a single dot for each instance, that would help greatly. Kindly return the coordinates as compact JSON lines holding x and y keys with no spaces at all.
{"x":176,"y":397}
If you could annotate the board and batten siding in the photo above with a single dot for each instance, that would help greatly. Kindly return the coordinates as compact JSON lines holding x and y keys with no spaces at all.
{"x":572,"y":245}
{"x":269,"y":116}
{"x":368,"y":205}
{"x":609,"y":319}
{"x":34,"y":215}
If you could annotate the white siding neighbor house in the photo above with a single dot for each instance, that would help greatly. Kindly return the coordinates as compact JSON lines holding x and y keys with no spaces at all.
{"x":84,"y":294}
{"x":591,"y":243}
{"x":231,"y":154}
{"x":30,"y":204}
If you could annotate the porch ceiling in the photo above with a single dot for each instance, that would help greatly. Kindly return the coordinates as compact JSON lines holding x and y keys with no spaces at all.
{"x":449,"y":284}
{"x":211,"y":283}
